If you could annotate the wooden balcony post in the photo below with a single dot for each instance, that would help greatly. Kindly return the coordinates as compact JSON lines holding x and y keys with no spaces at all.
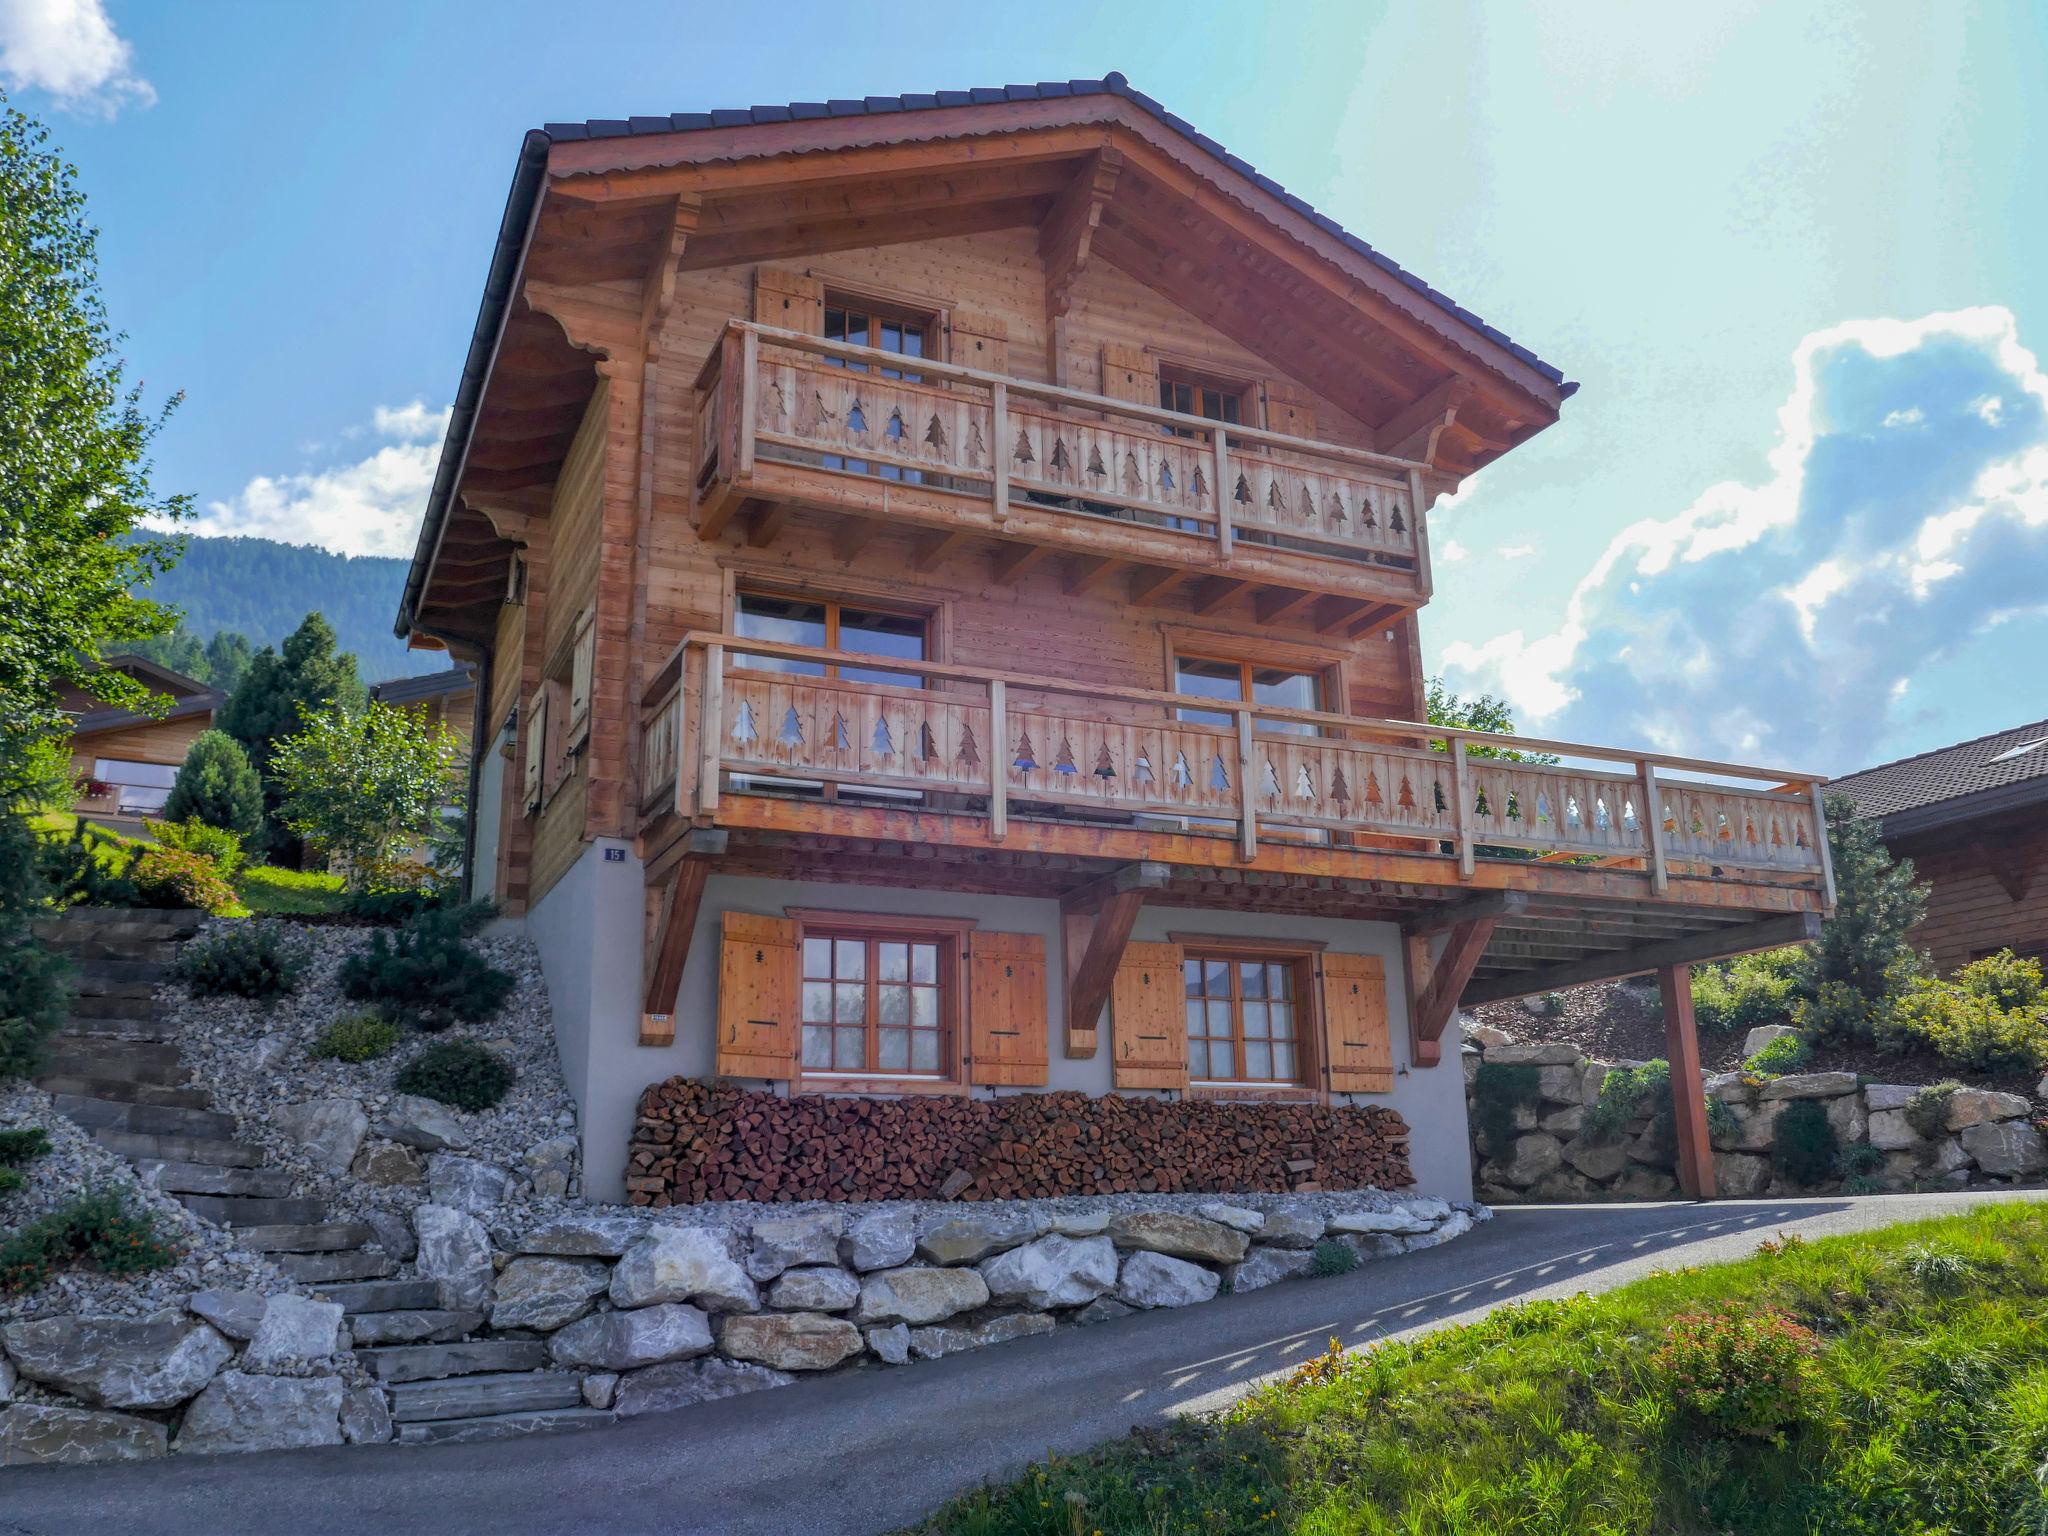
{"x":1223,"y":499}
{"x":999,"y":448}
{"x":750,"y":387}
{"x":1688,"y":1103}
{"x":710,"y":728}
{"x":1653,"y":825}
{"x":680,"y":728}
{"x":1821,"y":845}
{"x":998,"y":759}
{"x":1461,"y":787}
{"x":1248,"y":808}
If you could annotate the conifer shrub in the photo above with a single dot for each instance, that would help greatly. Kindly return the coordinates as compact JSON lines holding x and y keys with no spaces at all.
{"x":357,"y":1038}
{"x":1927,"y":1110}
{"x":1498,"y":1090}
{"x":1622,"y":1095}
{"x":247,"y":961}
{"x":101,"y":1227}
{"x":1787,"y":1053}
{"x":1738,"y":995}
{"x":16,"y":1148}
{"x":218,"y":787}
{"x":1992,"y":1016}
{"x":425,"y":974}
{"x":456,"y":1072}
{"x":1334,"y":1258}
{"x":1804,"y":1147}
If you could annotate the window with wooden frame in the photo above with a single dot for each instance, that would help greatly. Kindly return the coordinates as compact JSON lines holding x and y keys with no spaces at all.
{"x":831,"y":623}
{"x":879,"y":997}
{"x":1244,"y":679}
{"x":1200,"y":394}
{"x":1244,"y":1016}
{"x":891,"y":327}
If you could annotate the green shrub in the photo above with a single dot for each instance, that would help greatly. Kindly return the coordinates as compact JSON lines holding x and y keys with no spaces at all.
{"x":1739,"y":995}
{"x":88,"y":869}
{"x":100,"y":1226}
{"x":34,"y":990}
{"x":1858,"y":1160}
{"x":1334,"y":1258}
{"x":1498,"y":1091}
{"x":247,"y":961}
{"x":1862,"y":963}
{"x":218,"y":786}
{"x":1927,"y":1110}
{"x":396,"y":903}
{"x":171,"y":877}
{"x":1787,"y":1053}
{"x":11,"y":1180}
{"x":1722,"y":1120}
{"x":18,"y":1146}
{"x":193,"y":836}
{"x":1622,"y":1093}
{"x":1991,"y":1017}
{"x":426,"y":975}
{"x":457,"y":1072}
{"x":1803,"y":1143}
{"x":1750,"y":1372}
{"x":359,"y":1037}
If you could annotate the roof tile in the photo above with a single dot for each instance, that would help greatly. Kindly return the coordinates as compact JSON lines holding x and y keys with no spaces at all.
{"x":1950,"y":773}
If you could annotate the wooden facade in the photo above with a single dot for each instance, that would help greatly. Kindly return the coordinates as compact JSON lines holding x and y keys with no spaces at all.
{"x":123,"y":761}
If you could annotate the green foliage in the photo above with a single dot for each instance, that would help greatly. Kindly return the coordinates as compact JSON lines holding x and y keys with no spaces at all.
{"x":173,"y":878}
{"x":215,"y":843}
{"x":249,"y":960}
{"x":1484,"y":713}
{"x":359,"y":1037}
{"x":1804,"y":1147}
{"x":1334,"y":1258}
{"x":397,"y":903}
{"x":1623,"y":1093}
{"x":268,"y":891}
{"x":1927,"y":1110}
{"x":1498,"y":1090}
{"x":12,"y":1180}
{"x":457,"y":1072}
{"x":89,"y":868}
{"x":424,"y":973}
{"x":1862,"y":963}
{"x":365,"y":784}
{"x":219,"y":662}
{"x":218,"y":786}
{"x":35,"y":992}
{"x":100,"y":1227}
{"x":1746,"y":1371}
{"x":1787,"y":1053}
{"x":272,"y":701}
{"x":17,"y":1146}
{"x":1991,"y":1017}
{"x":1736,"y":996}
{"x":74,"y":456}
{"x":1721,"y":1119}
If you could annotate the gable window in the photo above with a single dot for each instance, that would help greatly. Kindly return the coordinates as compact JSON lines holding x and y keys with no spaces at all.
{"x":878,"y":1001}
{"x":1242,"y":1013}
{"x":1194,"y":394}
{"x":890,"y":328}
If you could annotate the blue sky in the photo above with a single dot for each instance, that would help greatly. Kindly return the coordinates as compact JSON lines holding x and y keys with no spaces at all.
{"x":1798,"y":511}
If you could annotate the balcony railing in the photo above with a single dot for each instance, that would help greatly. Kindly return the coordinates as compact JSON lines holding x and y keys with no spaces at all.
{"x":1005,"y":745}
{"x":1069,"y":462}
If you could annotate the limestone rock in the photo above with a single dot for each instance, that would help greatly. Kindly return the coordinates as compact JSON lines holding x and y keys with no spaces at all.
{"x":35,"y":1434}
{"x":1877,"y":1096}
{"x":1755,"y":1126}
{"x":1457,"y":1224}
{"x":294,"y":1329}
{"x":1399,"y":1221}
{"x":455,"y":1252}
{"x":1808,"y":1085}
{"x":790,"y":1341}
{"x":1233,"y":1216}
{"x":388,"y":1163}
{"x":365,"y":1416}
{"x":423,"y":1123}
{"x":1983,"y":1106}
{"x":678,"y":1384}
{"x":2041,"y":1088}
{"x":1563,"y":1123}
{"x":2007,"y":1148}
{"x":1563,"y":1185}
{"x":933,"y":1343}
{"x":1104,"y":1309}
{"x":1292,"y":1226}
{"x":784,"y":1242}
{"x":1053,"y":1271}
{"x":1562,"y":1084}
{"x":239,"y":1412}
{"x":1153,"y":1279}
{"x":1731,"y":1088}
{"x":1367,"y":1246}
{"x":624,"y":1341}
{"x":601,"y":1388}
{"x":1849,"y":1118}
{"x":1593,"y":1077}
{"x":587,"y":1234}
{"x":234,"y":1313}
{"x":1762,"y":1036}
{"x":1081,"y":1223}
{"x":963,"y":1239}
{"x":684,"y":1264}
{"x":1645,"y":1184}
{"x":1741,"y":1175}
{"x":1534,"y":1155}
{"x":1265,"y":1266}
{"x":1597,"y":1160}
{"x":880,"y":1240}
{"x":542,"y":1292}
{"x":551,"y":1164}
{"x":1948,"y":1157}
{"x":824,"y":1288}
{"x":1654,"y":1147}
{"x":1485,"y":1036}
{"x":1555,"y":1054}
{"x":1179,"y":1236}
{"x":393,"y":1232}
{"x":891,"y":1343}
{"x":919,"y":1295}
{"x":7,"y":1380}
{"x":467,"y":1183}
{"x":111,"y":1363}
{"x":330,"y":1129}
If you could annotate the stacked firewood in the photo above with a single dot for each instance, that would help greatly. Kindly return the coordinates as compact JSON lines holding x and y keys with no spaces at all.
{"x":700,"y":1141}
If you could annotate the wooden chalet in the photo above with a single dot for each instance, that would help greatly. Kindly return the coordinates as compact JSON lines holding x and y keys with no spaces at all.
{"x":943,"y":574}
{"x":124,"y":762}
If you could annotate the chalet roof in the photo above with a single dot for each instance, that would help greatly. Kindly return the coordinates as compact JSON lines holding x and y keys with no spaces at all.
{"x":204,"y":702}
{"x":426,"y":685}
{"x":2008,"y":767}
{"x":155,"y":673}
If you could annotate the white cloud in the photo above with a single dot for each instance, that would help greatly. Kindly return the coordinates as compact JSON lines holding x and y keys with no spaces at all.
{"x":1451,"y":552}
{"x":1912,"y":416}
{"x":369,"y":507}
{"x":70,"y":49}
{"x":1785,"y":621}
{"x":1517,"y":551}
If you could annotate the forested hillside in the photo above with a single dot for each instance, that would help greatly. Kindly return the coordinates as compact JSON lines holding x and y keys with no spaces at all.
{"x":263,"y":589}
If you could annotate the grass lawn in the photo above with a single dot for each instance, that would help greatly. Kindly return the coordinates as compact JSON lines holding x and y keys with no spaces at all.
{"x":1919,"y":1405}
{"x":264,"y":891}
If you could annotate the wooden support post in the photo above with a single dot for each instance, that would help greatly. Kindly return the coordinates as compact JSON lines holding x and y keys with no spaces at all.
{"x":1415,"y":951}
{"x":1688,"y":1103}
{"x":1095,"y":926}
{"x":1431,"y":1010}
{"x":669,"y":949}
{"x":1822,"y":846}
{"x":1222,"y":497}
{"x":1653,"y":826}
{"x":710,"y":728}
{"x":999,"y":450}
{"x":1248,"y":808}
{"x":749,"y":393}
{"x":998,"y":760}
{"x":1461,"y":786}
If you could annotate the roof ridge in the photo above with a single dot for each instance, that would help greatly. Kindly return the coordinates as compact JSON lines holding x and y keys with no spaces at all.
{"x":1954,"y":746}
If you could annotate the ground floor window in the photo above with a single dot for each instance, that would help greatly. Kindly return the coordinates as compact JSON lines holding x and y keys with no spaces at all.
{"x":877,"y":1002}
{"x":1242,"y":1018}
{"x":141,"y":788}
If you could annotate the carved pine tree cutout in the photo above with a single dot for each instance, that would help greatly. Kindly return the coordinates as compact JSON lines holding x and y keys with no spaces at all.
{"x":1371,"y":513}
{"x":1141,"y":770}
{"x":977,"y":450}
{"x":1629,"y":822}
{"x":1572,"y":816}
{"x":1243,"y":494}
{"x":1105,"y":765}
{"x":1166,"y":476}
{"x":1096,"y":469}
{"x":1183,"y":778}
{"x":856,"y":418}
{"x":1480,"y":804}
{"x":1602,"y":822}
{"x":1670,"y":820}
{"x":1027,"y":755}
{"x":1134,"y":483}
{"x":1340,"y":788}
{"x":838,"y":737}
{"x":1022,"y":453}
{"x":935,"y":435}
{"x":743,"y":730}
{"x":792,"y":732}
{"x":1372,"y":788}
{"x":927,"y":743}
{"x":815,"y":415}
{"x":1062,"y":461}
{"x":883,"y":745}
{"x":1338,"y":516}
{"x":773,"y":405}
{"x":1397,"y":522}
{"x":1218,"y":777}
{"x":1406,"y":799}
{"x":969,"y":755}
{"x":1437,"y":790}
{"x":1201,"y":488}
{"x":1514,"y":806}
{"x":1269,"y":781}
{"x":895,"y":427}
{"x":1304,"y":784}
{"x":1542,"y":810}
{"x":1273,"y":497}
{"x":1308,"y":505}
{"x":1063,"y":760}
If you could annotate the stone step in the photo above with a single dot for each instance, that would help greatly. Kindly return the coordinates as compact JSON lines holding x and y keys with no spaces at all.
{"x":468,"y":1397}
{"x":121,"y":1090}
{"x":429,"y":1324}
{"x":99,"y":1027}
{"x":158,"y":1061}
{"x":213,"y":1150}
{"x":94,"y":987}
{"x":150,"y":1119}
{"x":305,"y":1236}
{"x":83,"y":948}
{"x":355,"y":1264}
{"x":434,"y":1362}
{"x":211,"y":1179}
{"x":362,"y":1297}
{"x":502,"y":1426}
{"x":104,"y":924}
{"x":113,"y":1008}
{"x":105,"y":972}
{"x":252,"y":1214}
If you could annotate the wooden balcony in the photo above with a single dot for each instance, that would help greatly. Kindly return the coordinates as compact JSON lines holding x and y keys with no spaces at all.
{"x":1596,"y":860}
{"x":786,"y":419}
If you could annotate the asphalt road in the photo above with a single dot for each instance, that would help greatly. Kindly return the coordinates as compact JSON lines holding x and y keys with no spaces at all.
{"x":869,"y":1451}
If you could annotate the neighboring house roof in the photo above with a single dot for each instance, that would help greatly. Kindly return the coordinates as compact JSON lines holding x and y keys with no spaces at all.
{"x":204,"y":702}
{"x":1973,"y":778}
{"x":428,"y":685}
{"x":164,"y":679}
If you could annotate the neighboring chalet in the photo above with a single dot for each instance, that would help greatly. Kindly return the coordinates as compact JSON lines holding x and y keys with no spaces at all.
{"x":1973,"y":818}
{"x":947,"y":569}
{"x":125,"y":762}
{"x":447,"y":697}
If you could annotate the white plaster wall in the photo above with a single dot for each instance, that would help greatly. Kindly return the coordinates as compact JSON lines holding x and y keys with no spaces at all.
{"x":488,"y":810}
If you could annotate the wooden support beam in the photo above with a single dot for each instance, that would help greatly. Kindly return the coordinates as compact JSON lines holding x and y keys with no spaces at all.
{"x":1090,"y":572}
{"x":1014,"y":560}
{"x":1214,"y":592}
{"x":1334,"y":613}
{"x":721,"y":510}
{"x":668,"y":948}
{"x":1688,"y":949}
{"x":1416,"y":958}
{"x":1377,"y":617}
{"x":1065,"y":241}
{"x":851,"y":537}
{"x":658,"y":289}
{"x":1094,"y":943}
{"x":765,"y":524}
{"x":933,"y":549}
{"x":1412,"y":433}
{"x":1150,"y":582}
{"x":1688,"y":1103}
{"x":1429,"y":1012}
{"x":1272,"y":604}
{"x":1453,"y":914}
{"x":1144,"y":876}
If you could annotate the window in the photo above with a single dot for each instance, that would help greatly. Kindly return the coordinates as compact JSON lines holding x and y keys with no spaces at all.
{"x":1214,"y":677}
{"x":891,"y":328}
{"x":1194,"y":395}
{"x":139,"y":788}
{"x":1242,"y":1018}
{"x":833,"y":625}
{"x":875,"y":1002}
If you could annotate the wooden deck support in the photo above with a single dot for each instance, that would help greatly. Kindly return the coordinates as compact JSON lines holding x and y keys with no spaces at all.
{"x":1688,"y":1105}
{"x":1096,"y":923}
{"x":668,"y":939}
{"x":1435,"y":986}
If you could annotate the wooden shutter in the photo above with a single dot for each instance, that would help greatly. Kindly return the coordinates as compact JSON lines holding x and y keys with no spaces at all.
{"x":1130,"y":373}
{"x":1289,"y":409}
{"x":582,"y":664}
{"x":535,"y":763}
{"x":789,"y":300}
{"x":1006,"y":1025}
{"x":980,"y":341}
{"x":1148,"y":1018}
{"x":757,"y":996}
{"x":1358,"y":1051}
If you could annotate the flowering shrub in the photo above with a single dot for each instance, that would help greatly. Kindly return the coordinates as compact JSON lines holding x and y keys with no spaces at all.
{"x":1749,"y":1372}
{"x":171,"y":877}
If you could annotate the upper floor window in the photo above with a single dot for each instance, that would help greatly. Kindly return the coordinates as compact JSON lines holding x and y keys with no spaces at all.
{"x":1247,"y":682}
{"x":866,"y":629}
{"x":1194,"y":394}
{"x":887,"y":327}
